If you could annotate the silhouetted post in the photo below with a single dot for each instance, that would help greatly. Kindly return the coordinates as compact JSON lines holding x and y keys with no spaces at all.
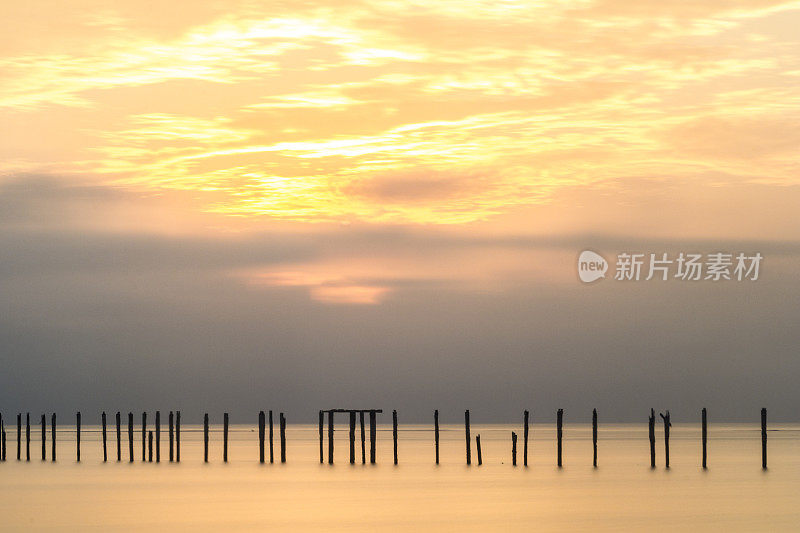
{"x":171,"y":436}
{"x":373,"y":429}
{"x":394,"y":434}
{"x":469,"y":443}
{"x":150,"y":446}
{"x":764,"y":438}
{"x":352,"y":437}
{"x":330,"y":437}
{"x":53,"y":436}
{"x":478,"y":445}
{"x":119,"y":439}
{"x":705,"y":435}
{"x":3,"y":437}
{"x":158,"y":436}
{"x":559,"y":431}
{"x":130,"y":434}
{"x":594,"y":437}
{"x":27,"y":436}
{"x":225,"y":437}
{"x":103,"y":422}
{"x":524,"y":439}
{"x":514,"y":448}
{"x":282,"y":420}
{"x":178,"y":437}
{"x":321,"y":431}
{"x":144,"y":436}
{"x":667,"y":425}
{"x":262,"y":423}
{"x":651,"y":422}
{"x":44,"y":438}
{"x":363,"y":443}
{"x":205,"y":438}
{"x":19,"y":436}
{"x":78,"y":434}
{"x":436,"y":433}
{"x":271,"y":455}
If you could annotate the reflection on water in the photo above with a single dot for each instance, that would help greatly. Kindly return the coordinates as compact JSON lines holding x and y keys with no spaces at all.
{"x":623,"y":493}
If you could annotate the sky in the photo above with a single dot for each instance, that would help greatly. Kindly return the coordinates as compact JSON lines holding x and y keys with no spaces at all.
{"x":234,"y":206}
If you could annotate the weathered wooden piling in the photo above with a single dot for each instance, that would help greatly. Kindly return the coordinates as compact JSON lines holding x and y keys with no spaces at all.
{"x":171,"y":436}
{"x":158,"y":436}
{"x":560,"y":432}
{"x":363,"y":443}
{"x":144,"y":436}
{"x":262,"y":422}
{"x":330,"y":437}
{"x":651,"y":424}
{"x":78,"y":434}
{"x":394,"y":434}
{"x":764,"y":438}
{"x":524,"y":438}
{"x":282,"y":420}
{"x":105,"y":451}
{"x":53,"y":437}
{"x":594,"y":437}
{"x":514,"y":448}
{"x":469,"y":443}
{"x":130,"y":435}
{"x":119,"y":439}
{"x":478,"y":446}
{"x":150,"y":446}
{"x":352,"y":437}
{"x":436,"y":433}
{"x":225,"y":437}
{"x":321,"y":431}
{"x":667,"y":425}
{"x":27,"y":436}
{"x":177,"y":436}
{"x":3,"y":443}
{"x":205,"y":438}
{"x":373,"y":429}
{"x":44,"y":437}
{"x":704,"y":419}
{"x":19,"y":436}
{"x":271,"y":455}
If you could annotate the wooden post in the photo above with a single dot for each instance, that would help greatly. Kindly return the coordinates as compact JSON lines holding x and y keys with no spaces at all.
{"x":171,"y":436}
{"x":469,"y":444}
{"x":225,"y":437}
{"x":373,"y":429}
{"x":478,"y":445}
{"x":262,"y":422}
{"x":436,"y":432}
{"x":19,"y":436}
{"x":119,"y":439}
{"x":158,"y":436}
{"x":394,"y":433}
{"x":205,"y":438}
{"x":283,"y":437}
{"x":594,"y":437}
{"x":559,"y":431}
{"x":27,"y":436}
{"x":105,"y":437}
{"x":705,"y":435}
{"x":271,"y":455}
{"x":130,"y":434}
{"x":524,"y":439}
{"x":3,"y":437}
{"x":150,"y":446}
{"x":78,"y":434}
{"x":764,"y":438}
{"x":352,"y":437}
{"x":363,"y":443}
{"x":667,"y":425}
{"x":44,"y":438}
{"x":651,"y":422}
{"x":330,"y":437}
{"x":514,"y":448}
{"x":144,"y":436}
{"x":321,"y":424}
{"x":53,"y":437}
{"x":178,"y":437}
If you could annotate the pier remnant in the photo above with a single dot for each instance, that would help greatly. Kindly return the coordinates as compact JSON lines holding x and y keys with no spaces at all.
{"x":225,"y":437}
{"x":44,"y":437}
{"x":466,"y":428}
{"x":478,"y":446}
{"x":105,"y":449}
{"x":436,"y":432}
{"x":171,"y":423}
{"x":150,"y":446}
{"x":205,"y":438}
{"x":560,"y":432}
{"x":119,"y":437}
{"x":144,"y":435}
{"x":652,"y":434}
{"x":352,"y":437}
{"x":704,"y":420}
{"x":321,"y":431}
{"x":78,"y":434}
{"x":373,"y":429}
{"x":525,"y":420}
{"x":514,"y":448}
{"x":363,"y":444}
{"x":330,"y":437}
{"x":53,"y":437}
{"x":158,"y":436}
{"x":594,"y":437}
{"x":271,"y":455}
{"x":262,"y":422}
{"x":178,"y":437}
{"x":394,"y":433}
{"x":130,"y":435}
{"x":282,"y":421}
{"x":667,"y":425}
{"x":764,"y":438}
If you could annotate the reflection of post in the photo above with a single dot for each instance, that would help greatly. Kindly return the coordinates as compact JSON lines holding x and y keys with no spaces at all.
{"x":466,"y":427}
{"x":652,"y":432}
{"x":363,"y":446}
{"x":321,"y":423}
{"x":372,"y":436}
{"x":559,"y":430}
{"x":352,"y":437}
{"x":330,"y":437}
{"x":667,"y":425}
{"x":283,"y":437}
{"x":764,"y":438}
{"x":514,"y":448}
{"x":594,"y":437}
{"x":705,"y":434}
{"x":394,"y":434}
{"x":478,"y":445}
{"x":525,"y":439}
{"x":436,"y":433}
